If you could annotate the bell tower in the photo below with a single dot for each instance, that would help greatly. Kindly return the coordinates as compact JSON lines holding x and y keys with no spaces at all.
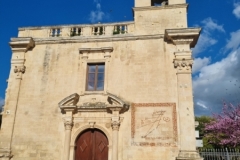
{"x":167,"y":19}
{"x":145,"y":3}
{"x":154,"y":16}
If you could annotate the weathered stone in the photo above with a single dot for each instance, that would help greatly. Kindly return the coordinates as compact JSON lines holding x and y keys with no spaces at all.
{"x":145,"y":108}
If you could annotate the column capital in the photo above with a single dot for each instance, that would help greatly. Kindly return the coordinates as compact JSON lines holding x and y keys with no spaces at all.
{"x":68,"y":124}
{"x":19,"y":69}
{"x":183,"y":65}
{"x":115,"y":125}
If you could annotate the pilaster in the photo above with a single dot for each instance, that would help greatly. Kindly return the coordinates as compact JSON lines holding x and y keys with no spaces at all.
{"x":68,"y":124}
{"x":184,"y":39}
{"x":19,"y":47}
{"x":115,"y":128}
{"x":68,"y":107}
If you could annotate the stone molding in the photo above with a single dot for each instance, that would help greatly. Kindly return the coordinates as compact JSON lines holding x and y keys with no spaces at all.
{"x":102,"y":49}
{"x":183,"y":36}
{"x":173,"y":6}
{"x":88,"y":39}
{"x":5,"y":153}
{"x":86,"y":51}
{"x":188,"y":155}
{"x":22,"y":44}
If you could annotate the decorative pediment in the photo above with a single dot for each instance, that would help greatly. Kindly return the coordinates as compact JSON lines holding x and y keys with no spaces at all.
{"x":71,"y":100}
{"x":69,"y":104}
{"x":93,"y":103}
{"x":116,"y":101}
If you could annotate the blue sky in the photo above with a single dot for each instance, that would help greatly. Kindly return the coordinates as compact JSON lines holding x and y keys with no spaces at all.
{"x":216,"y":73}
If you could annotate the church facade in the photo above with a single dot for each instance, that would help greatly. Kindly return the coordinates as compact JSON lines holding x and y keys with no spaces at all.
{"x":116,"y":91}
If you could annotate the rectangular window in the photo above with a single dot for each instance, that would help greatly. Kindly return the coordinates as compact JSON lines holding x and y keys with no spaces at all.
{"x":95,"y":77}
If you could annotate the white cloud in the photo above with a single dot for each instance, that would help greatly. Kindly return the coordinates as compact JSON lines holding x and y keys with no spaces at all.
{"x":199,"y":63}
{"x":97,"y":15}
{"x":202,"y":105}
{"x":236,"y":10}
{"x":210,"y":25}
{"x":216,"y":83}
{"x":206,"y":38}
{"x":1,"y":103}
{"x":234,"y":41}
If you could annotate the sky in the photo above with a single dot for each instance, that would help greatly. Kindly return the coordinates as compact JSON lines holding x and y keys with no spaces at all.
{"x":216,"y":74}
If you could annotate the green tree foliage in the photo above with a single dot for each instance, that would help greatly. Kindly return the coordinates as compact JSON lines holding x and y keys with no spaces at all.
{"x":203,"y":121}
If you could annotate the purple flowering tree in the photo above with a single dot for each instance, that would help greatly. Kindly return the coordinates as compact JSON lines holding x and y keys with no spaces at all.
{"x":225,"y":129}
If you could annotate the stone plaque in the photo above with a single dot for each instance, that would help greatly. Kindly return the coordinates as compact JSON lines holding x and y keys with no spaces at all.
{"x":154,"y":124}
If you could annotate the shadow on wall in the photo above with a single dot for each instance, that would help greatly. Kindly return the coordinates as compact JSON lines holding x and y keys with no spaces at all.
{"x":159,"y":2}
{"x":1,"y":108}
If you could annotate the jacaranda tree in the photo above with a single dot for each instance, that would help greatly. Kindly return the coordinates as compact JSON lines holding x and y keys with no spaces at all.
{"x":225,"y":129}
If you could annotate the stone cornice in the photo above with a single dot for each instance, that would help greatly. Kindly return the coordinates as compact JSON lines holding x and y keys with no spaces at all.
{"x":22,"y":44}
{"x":55,"y":40}
{"x":183,"y":36}
{"x":173,"y":6}
{"x":102,"y":49}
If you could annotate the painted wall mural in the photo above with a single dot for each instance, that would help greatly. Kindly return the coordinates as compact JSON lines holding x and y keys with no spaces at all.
{"x":154,"y":124}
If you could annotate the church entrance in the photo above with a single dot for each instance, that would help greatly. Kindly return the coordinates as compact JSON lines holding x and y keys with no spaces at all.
{"x":92,"y":144}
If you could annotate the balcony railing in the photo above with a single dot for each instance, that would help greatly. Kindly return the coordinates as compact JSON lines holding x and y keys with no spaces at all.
{"x":110,"y":29}
{"x":55,"y":32}
{"x":76,"y":31}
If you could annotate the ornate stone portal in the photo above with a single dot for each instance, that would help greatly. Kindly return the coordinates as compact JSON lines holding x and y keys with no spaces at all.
{"x":73,"y":113}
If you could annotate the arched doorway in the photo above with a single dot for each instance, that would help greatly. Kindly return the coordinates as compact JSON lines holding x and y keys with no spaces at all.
{"x":92,"y":144}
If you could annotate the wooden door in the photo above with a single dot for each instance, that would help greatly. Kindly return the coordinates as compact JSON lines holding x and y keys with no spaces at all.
{"x":92,"y":144}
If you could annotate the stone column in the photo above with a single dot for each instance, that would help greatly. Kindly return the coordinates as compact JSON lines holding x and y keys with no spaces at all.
{"x":68,"y":129}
